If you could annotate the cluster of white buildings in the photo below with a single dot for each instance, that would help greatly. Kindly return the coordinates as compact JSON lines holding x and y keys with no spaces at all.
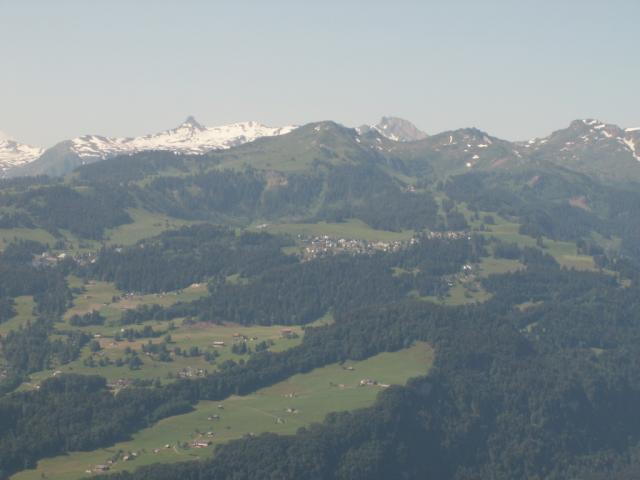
{"x":325,"y":245}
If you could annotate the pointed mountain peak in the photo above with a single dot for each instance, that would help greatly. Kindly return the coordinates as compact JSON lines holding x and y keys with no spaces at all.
{"x":400,"y":130}
{"x":191,"y":122}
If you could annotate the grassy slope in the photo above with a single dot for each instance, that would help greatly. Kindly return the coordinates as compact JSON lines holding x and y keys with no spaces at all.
{"x":24,"y":308}
{"x":565,"y":252}
{"x":145,"y":224}
{"x":184,"y":336}
{"x":312,"y":395}
{"x":99,"y":295}
{"x":8,"y":235}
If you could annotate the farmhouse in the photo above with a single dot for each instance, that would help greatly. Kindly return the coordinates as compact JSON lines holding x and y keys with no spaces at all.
{"x":287,"y":333}
{"x":201,"y":443}
{"x":368,"y":382}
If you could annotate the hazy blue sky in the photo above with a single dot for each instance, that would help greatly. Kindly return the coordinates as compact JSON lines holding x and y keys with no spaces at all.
{"x":516,"y":69}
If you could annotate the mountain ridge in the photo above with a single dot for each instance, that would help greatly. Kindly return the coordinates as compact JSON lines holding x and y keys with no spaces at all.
{"x":14,"y":154}
{"x":190,"y":137}
{"x":585,"y":145}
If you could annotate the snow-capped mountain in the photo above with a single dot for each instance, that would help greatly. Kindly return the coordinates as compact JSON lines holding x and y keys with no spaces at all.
{"x":587,"y":134}
{"x":396,"y":129}
{"x":190,"y":137}
{"x":590,"y":146}
{"x":14,"y":154}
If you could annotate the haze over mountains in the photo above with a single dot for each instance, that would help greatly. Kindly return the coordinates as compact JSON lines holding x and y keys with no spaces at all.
{"x":587,"y":145}
{"x":517,"y":261}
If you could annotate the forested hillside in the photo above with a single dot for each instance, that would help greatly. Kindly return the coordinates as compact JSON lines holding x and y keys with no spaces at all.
{"x":138,"y":289}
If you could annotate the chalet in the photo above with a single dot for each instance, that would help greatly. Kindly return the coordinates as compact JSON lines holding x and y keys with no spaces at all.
{"x":287,"y":333}
{"x":201,"y":443}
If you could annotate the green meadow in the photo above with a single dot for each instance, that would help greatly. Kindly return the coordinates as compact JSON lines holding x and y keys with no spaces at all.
{"x":145,"y":224}
{"x":564,"y":252}
{"x":282,"y":408}
{"x":184,"y":336}
{"x":24,"y":312}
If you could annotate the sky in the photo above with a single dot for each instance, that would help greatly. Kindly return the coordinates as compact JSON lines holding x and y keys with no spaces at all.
{"x":516,"y":69}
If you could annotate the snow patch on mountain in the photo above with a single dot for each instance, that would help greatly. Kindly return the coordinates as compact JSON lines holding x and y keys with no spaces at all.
{"x":14,"y":154}
{"x":190,"y":137}
{"x":629,"y":142}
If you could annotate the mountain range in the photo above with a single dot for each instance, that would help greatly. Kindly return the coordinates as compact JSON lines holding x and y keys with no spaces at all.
{"x":190,"y":137}
{"x":588,"y":146}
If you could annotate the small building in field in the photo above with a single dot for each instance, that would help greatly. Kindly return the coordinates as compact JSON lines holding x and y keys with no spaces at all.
{"x":287,"y":333}
{"x":368,"y":382}
{"x":201,"y":443}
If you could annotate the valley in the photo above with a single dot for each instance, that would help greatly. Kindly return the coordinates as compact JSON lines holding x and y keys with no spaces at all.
{"x":227,"y":252}
{"x":273,"y":277}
